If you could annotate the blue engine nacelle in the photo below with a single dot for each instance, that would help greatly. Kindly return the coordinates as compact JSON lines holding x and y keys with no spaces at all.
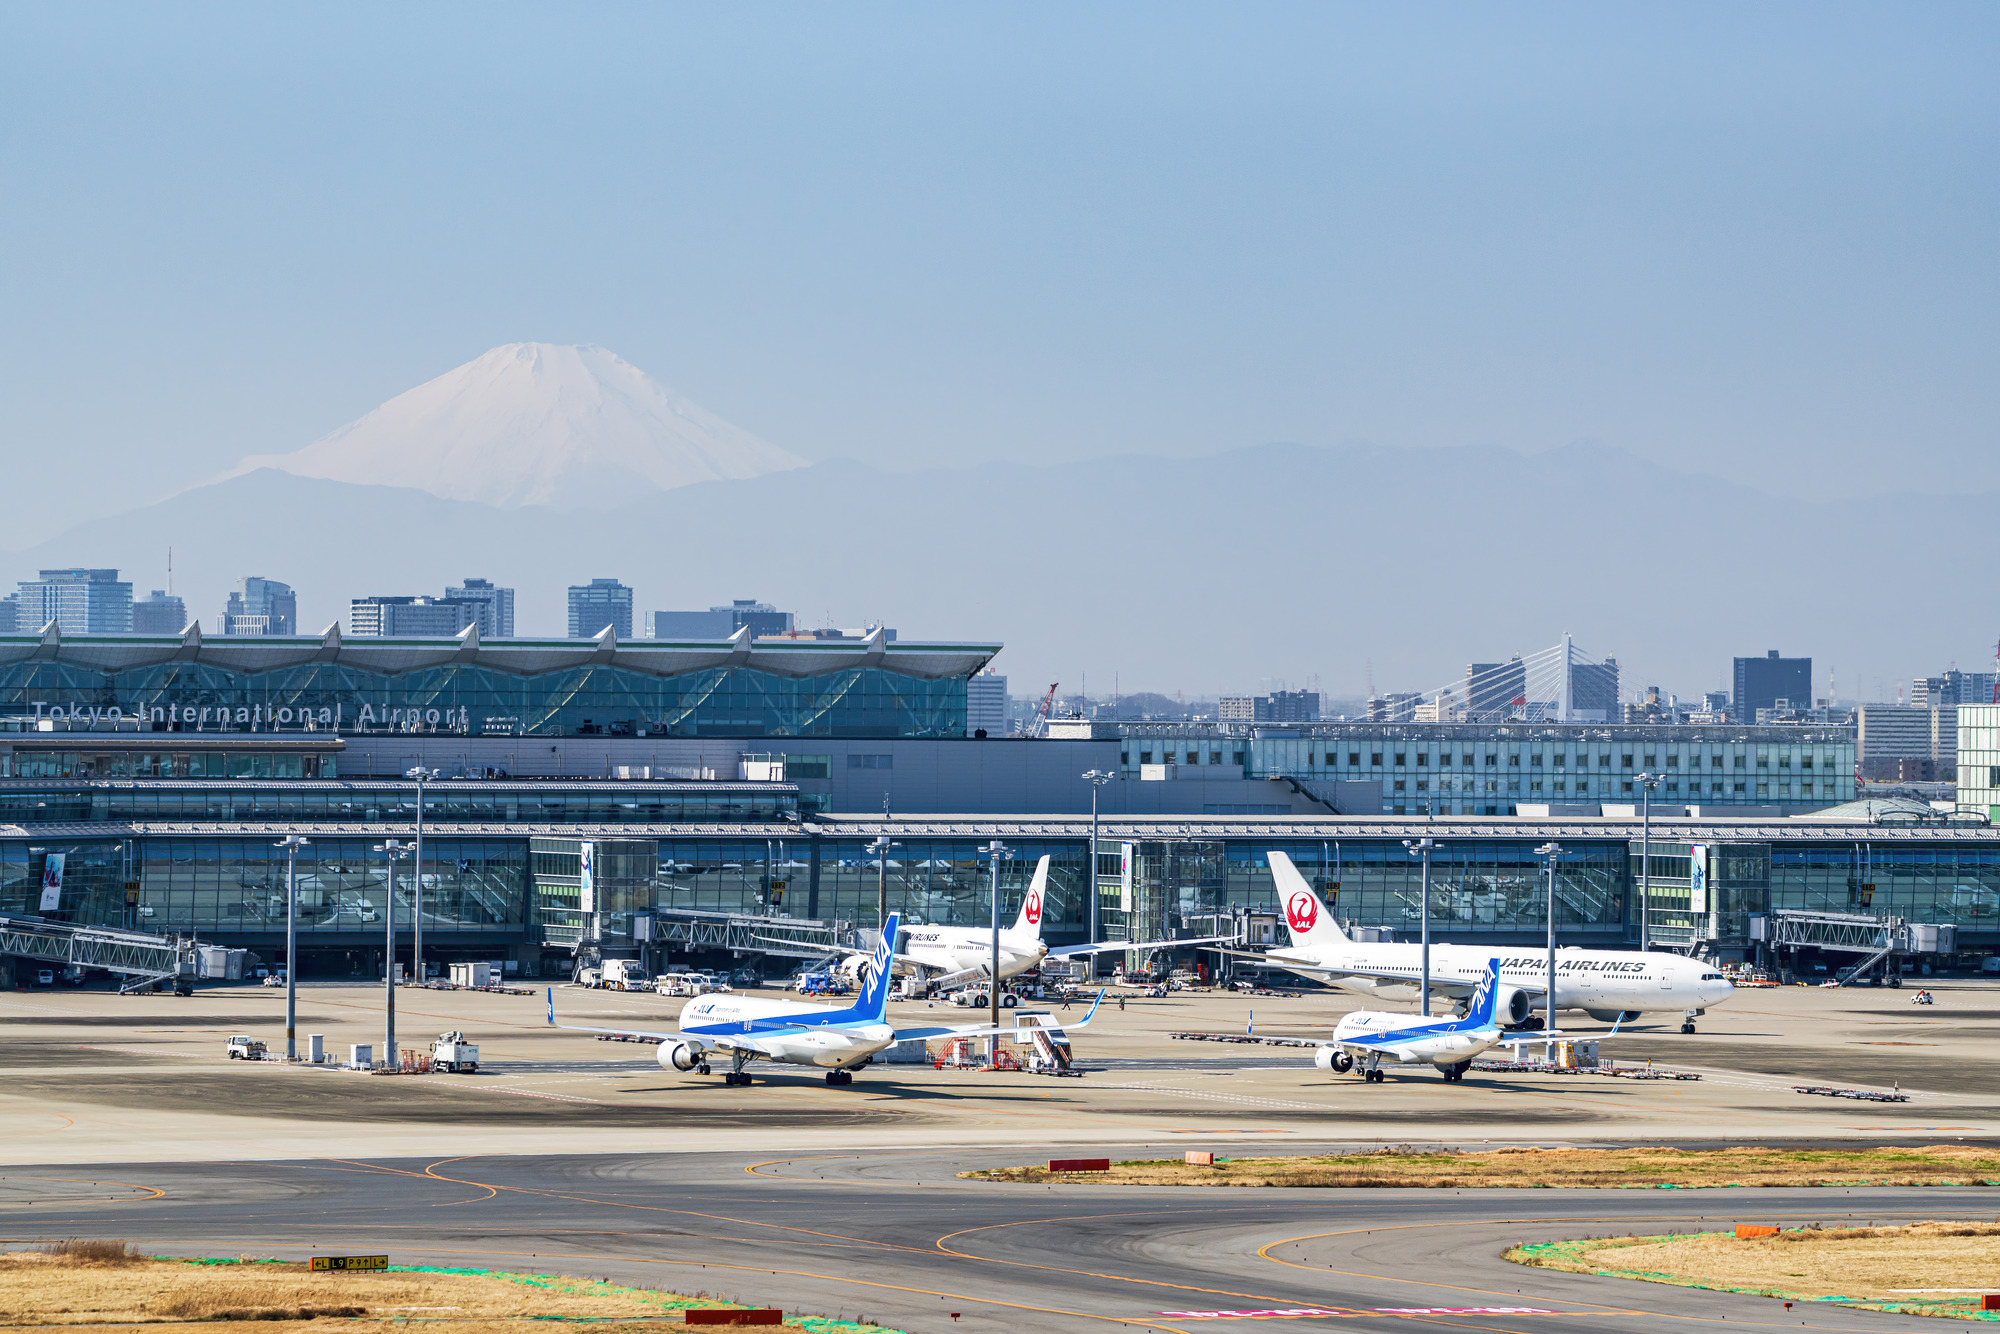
{"x":678,"y":1055}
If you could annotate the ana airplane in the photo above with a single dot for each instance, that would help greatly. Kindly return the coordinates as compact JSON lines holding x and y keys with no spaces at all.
{"x":751,"y":1028}
{"x":942,"y":955}
{"x":1608,"y":985}
{"x":1366,"y":1036}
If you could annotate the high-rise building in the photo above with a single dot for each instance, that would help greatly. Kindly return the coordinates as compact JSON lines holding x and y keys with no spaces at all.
{"x":80,"y":602}
{"x":1398,"y":706}
{"x":719,"y":622}
{"x":261,"y":606}
{"x":1491,"y":688}
{"x":411,"y":616}
{"x":597,"y":604}
{"x":1762,"y":682}
{"x":496,"y":616}
{"x":1593,"y":692}
{"x":160,"y":614}
{"x":1954,"y":687}
{"x":986,"y":704}
{"x":10,"y":614}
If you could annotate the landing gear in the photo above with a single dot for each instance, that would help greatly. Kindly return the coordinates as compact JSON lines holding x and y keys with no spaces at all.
{"x":1372,"y":1073}
{"x":735,"y":1075}
{"x":1455,"y":1071}
{"x":737,"y":1078}
{"x":704,"y":1068}
{"x":839,"y":1077}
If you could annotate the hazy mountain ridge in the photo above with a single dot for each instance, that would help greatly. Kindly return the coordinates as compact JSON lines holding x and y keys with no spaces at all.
{"x":1200,"y":574}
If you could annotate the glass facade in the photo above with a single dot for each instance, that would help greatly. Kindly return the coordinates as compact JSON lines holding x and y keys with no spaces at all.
{"x":466,"y":698}
{"x":219,"y":886}
{"x":1469,"y":770}
{"x":468,"y":802}
{"x":165,"y":762}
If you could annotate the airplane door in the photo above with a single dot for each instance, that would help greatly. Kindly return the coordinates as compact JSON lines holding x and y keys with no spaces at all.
{"x":1666,"y":979}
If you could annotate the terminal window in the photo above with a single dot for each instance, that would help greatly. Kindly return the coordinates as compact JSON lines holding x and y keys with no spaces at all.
{"x":1375,"y":760}
{"x":1399,"y":759}
{"x":871,"y":761}
{"x":1353,"y":757}
{"x":1673,"y":761}
{"x":1627,"y":759}
{"x":1422,"y":759}
{"x":1604,"y":761}
{"x":1465,"y":760}
{"x":1559,"y":760}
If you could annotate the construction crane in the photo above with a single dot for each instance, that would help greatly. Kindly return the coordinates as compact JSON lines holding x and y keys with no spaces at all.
{"x":1039,"y":724}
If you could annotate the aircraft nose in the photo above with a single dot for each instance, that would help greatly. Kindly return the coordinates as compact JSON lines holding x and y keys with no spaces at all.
{"x":1717,"y":992}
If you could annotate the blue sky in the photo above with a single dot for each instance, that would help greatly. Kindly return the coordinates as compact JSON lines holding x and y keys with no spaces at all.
{"x":1754,"y":240}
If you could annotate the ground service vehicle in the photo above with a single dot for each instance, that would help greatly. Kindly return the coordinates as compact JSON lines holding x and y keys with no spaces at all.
{"x":243,"y":1047}
{"x":452,"y":1054}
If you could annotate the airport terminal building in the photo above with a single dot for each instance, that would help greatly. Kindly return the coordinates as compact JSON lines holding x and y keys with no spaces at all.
{"x":145,"y":781}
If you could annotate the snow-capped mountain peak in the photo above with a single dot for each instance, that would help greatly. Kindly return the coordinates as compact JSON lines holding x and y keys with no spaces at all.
{"x":536,"y":424}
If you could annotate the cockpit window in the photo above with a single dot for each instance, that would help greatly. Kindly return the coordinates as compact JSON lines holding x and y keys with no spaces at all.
{"x":1714,"y":977}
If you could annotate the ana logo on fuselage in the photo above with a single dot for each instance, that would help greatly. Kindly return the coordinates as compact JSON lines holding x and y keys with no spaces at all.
{"x":1302,"y":911}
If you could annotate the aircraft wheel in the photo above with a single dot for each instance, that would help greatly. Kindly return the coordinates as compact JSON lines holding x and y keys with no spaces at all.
{"x":704,"y":1068}
{"x":1688,"y":1027}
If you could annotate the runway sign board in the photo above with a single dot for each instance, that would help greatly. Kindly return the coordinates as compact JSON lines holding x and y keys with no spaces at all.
{"x":340,"y":1263}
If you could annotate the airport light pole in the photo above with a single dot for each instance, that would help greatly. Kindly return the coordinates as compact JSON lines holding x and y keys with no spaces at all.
{"x":994,"y":852}
{"x":880,"y":847}
{"x":1647,"y":782}
{"x":291,"y":843}
{"x":1551,"y":850}
{"x":392,"y":851}
{"x":1423,"y":847}
{"x":1097,"y":778}
{"x":420,"y":774}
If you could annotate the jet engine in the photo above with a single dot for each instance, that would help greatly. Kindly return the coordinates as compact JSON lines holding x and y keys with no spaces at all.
{"x":1333,"y":1058}
{"x":1513,"y":1006}
{"x":678,"y":1056}
{"x":855,"y":969}
{"x":1613,"y":1016}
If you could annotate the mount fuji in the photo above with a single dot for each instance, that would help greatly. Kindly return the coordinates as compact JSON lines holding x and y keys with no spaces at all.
{"x":572,"y":428}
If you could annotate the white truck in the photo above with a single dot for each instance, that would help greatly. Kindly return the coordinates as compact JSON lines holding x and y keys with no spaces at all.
{"x":681,"y":984}
{"x":452,"y":1054}
{"x":243,"y":1047}
{"x":624,"y":975}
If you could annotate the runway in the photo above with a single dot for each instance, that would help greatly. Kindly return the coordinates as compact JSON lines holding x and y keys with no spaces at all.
{"x":898,"y":1238}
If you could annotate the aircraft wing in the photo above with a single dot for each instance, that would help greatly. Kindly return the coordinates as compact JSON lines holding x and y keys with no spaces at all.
{"x":1455,"y":989}
{"x":986,"y":1030}
{"x":753,"y":1041}
{"x":1110,"y":946}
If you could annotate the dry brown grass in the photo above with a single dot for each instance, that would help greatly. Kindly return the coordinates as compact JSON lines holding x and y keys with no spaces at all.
{"x":1937,"y":1165}
{"x":75,"y":1251}
{"x":91,"y":1283}
{"x":1880,"y":1266}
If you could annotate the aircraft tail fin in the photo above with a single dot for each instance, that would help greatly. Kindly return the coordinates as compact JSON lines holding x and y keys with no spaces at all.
{"x":1306,"y":916}
{"x":1029,"y":923}
{"x":1479,"y":1012}
{"x":872,"y":1005}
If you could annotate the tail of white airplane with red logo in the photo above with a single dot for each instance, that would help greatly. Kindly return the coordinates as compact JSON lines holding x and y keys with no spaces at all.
{"x":1029,"y":923}
{"x":1309,"y":920}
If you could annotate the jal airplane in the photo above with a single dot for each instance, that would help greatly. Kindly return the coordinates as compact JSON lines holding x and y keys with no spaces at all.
{"x":1365,"y":1037}
{"x":1608,"y":985}
{"x":752,"y":1028}
{"x":942,"y":955}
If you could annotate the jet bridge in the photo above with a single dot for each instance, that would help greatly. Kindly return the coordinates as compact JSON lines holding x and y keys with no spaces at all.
{"x":792,"y":937}
{"x":140,"y":959}
{"x":1878,"y":940}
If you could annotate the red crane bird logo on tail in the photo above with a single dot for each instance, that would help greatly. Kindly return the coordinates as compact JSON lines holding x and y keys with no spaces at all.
{"x":1302,"y":912}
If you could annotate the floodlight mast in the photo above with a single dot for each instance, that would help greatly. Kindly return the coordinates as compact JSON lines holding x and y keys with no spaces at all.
{"x":1551,"y":851}
{"x":1423,"y":847}
{"x":291,"y":843}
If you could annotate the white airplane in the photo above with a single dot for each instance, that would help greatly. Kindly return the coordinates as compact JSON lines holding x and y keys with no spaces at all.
{"x":750,"y":1028}
{"x":1364,"y":1037}
{"x":941,"y":955}
{"x":1608,"y":985}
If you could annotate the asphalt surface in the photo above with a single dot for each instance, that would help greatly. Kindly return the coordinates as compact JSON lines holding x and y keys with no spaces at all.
{"x":900,"y":1239}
